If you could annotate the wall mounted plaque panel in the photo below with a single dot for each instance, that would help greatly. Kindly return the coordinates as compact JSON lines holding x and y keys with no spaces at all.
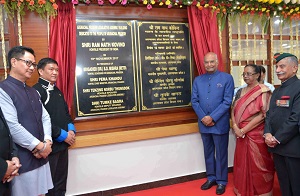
{"x":165,"y":64}
{"x":131,"y":66}
{"x":105,"y":68}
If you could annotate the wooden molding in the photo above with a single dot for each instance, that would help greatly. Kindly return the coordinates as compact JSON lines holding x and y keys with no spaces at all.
{"x":134,"y":121}
{"x":134,"y":135}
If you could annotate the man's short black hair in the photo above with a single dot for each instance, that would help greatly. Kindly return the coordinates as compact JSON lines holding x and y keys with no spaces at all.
{"x":44,"y":61}
{"x":18,"y":52}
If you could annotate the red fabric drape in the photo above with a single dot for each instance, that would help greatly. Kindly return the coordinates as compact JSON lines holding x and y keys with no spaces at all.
{"x":204,"y":35}
{"x":62,"y":48}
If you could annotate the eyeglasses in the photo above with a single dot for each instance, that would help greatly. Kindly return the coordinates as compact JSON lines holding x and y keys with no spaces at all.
{"x":29,"y":63}
{"x":248,"y":74}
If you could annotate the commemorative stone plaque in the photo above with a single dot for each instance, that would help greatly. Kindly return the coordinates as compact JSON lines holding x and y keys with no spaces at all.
{"x":165,"y":64}
{"x":131,"y":66}
{"x":105,"y":68}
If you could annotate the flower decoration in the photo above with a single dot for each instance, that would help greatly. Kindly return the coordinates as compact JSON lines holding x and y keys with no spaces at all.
{"x":42,"y":7}
{"x":286,"y":9}
{"x":149,"y":6}
{"x":100,"y":2}
{"x":112,"y":1}
{"x":75,"y":2}
{"x":123,"y":2}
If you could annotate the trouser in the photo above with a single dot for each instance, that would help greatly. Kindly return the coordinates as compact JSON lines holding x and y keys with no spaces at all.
{"x":216,"y":156}
{"x":4,"y":189}
{"x":59,"y":170}
{"x":288,"y":173}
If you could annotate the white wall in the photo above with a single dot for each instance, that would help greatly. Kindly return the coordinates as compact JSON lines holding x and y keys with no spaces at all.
{"x":119,"y":165}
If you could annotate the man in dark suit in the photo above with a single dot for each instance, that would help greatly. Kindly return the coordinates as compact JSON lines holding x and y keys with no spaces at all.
{"x":282,"y":125}
{"x":63,"y":129}
{"x":211,"y":99}
{"x":9,"y":163}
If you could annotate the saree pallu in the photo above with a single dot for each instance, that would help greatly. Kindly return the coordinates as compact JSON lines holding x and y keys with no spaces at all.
{"x":253,"y":168}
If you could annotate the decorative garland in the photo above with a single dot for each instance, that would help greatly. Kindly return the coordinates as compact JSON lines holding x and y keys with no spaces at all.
{"x":263,"y":38}
{"x":230,"y":43}
{"x":3,"y":43}
{"x":297,"y":39}
{"x":287,"y":9}
{"x":48,"y":29}
{"x":247,"y":42}
{"x":254,"y":42}
{"x":239,"y":51}
{"x":220,"y":34}
{"x":272,"y":50}
{"x":19,"y":28}
{"x":291,"y":38}
{"x":280,"y":39}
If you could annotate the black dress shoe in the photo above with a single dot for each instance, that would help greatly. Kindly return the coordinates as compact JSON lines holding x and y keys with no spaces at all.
{"x":208,"y":184}
{"x":220,"y":189}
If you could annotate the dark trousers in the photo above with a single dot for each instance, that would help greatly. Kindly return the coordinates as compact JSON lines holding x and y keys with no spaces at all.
{"x":59,"y":170}
{"x":4,"y":189}
{"x":216,"y":156}
{"x":288,"y":172}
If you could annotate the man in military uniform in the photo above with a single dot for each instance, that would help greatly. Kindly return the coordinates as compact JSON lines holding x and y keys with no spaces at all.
{"x":282,"y":124}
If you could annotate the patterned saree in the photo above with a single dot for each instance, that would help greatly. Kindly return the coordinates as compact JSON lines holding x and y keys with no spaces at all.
{"x":253,"y":165}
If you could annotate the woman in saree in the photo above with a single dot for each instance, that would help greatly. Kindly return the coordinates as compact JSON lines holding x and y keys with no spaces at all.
{"x":253,"y":168}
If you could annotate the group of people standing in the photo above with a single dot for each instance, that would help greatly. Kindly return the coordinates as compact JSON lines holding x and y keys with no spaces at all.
{"x":36,"y":128}
{"x":265,"y":123}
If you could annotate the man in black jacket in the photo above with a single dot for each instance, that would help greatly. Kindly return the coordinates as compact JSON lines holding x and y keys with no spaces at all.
{"x":63,"y":130}
{"x":9,"y":162}
{"x":282,"y":125}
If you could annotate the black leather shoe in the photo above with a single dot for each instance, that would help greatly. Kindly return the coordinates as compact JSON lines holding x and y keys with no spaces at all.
{"x":208,"y":184}
{"x":220,"y":189}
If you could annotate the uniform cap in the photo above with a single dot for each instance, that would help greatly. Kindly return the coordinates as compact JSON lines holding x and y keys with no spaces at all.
{"x":279,"y":56}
